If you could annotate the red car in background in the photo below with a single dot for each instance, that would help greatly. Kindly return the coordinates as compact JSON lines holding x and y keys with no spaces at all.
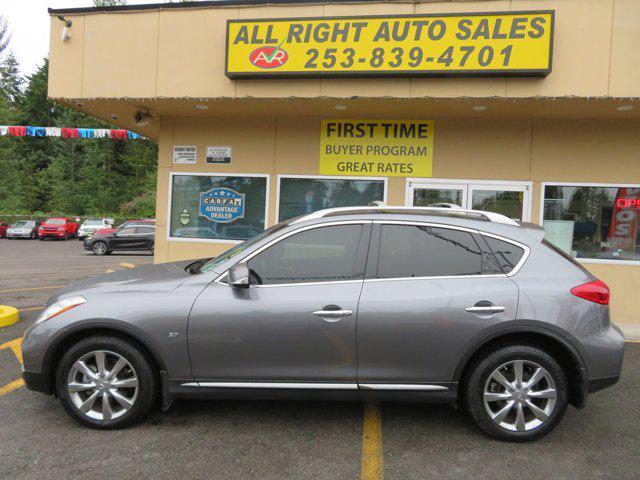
{"x":3,"y":229}
{"x":60,"y":227}
{"x":128,"y":223}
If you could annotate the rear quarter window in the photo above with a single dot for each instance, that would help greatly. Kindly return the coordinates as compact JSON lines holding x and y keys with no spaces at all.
{"x":507,"y":254}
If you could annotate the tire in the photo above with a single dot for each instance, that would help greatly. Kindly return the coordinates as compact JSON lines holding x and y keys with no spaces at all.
{"x":535,"y":424}
{"x":33,"y":236}
{"x":41,"y":239}
{"x":136,"y":370}
{"x":152,"y":247}
{"x":100,"y":248}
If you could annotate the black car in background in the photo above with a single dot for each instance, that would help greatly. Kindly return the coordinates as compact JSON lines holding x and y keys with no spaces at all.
{"x":138,"y":237}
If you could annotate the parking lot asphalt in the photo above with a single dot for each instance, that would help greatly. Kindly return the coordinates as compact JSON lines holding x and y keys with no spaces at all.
{"x":282,"y":440}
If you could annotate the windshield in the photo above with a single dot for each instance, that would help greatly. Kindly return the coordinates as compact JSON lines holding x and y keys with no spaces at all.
{"x":24,"y":224}
{"x":93,"y":223}
{"x":214,"y":262}
{"x":55,"y":221}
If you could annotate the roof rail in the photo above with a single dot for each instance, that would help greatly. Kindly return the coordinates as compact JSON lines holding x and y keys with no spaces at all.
{"x":450,"y":212}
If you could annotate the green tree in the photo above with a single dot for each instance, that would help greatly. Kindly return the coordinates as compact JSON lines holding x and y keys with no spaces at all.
{"x":11,"y":81}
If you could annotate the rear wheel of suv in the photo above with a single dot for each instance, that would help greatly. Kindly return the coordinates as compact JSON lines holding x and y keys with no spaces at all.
{"x":100,"y":248}
{"x":105,"y":382}
{"x":518,"y":393}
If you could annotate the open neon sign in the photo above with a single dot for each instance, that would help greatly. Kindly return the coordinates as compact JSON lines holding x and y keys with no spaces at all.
{"x":628,"y":203}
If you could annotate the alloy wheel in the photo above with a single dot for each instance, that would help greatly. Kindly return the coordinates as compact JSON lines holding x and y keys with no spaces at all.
{"x":99,"y":248}
{"x":103,"y":385}
{"x":519,"y":395}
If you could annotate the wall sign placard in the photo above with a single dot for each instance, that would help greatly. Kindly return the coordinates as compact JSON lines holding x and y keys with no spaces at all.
{"x":394,"y":148}
{"x":184,"y":154}
{"x":460,"y":44}
{"x":222,"y":205}
{"x":218,"y":154}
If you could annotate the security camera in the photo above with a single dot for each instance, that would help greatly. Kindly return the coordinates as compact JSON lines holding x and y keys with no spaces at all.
{"x":142,"y":118}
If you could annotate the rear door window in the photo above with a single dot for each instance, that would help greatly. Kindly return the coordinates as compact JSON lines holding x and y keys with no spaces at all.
{"x":425,"y":251}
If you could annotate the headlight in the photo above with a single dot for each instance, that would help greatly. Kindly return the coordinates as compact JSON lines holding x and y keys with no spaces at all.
{"x":60,"y":307}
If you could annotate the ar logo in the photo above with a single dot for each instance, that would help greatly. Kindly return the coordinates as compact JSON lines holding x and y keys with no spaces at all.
{"x":268,"y":57}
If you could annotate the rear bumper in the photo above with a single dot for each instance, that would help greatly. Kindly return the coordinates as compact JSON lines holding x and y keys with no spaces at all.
{"x":603,"y":353}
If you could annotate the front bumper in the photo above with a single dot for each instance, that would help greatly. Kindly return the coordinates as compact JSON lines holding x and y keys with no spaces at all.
{"x":18,"y":235}
{"x":35,"y":381}
{"x":52,"y":234}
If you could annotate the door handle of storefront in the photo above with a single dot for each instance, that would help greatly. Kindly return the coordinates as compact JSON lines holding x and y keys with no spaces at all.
{"x":332,"y":313}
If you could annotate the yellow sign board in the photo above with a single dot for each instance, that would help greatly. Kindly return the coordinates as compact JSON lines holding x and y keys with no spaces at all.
{"x":472,"y":44}
{"x":394,"y":148}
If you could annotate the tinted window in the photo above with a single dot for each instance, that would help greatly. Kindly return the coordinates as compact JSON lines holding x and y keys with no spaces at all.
{"x":318,"y":255}
{"x":145,"y":230}
{"x":421,"y":251}
{"x":508,"y":254}
{"x":127,"y":231}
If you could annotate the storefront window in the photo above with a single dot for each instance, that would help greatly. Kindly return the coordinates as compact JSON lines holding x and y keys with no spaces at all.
{"x":217,"y":207}
{"x":593,"y":222}
{"x":300,"y":196}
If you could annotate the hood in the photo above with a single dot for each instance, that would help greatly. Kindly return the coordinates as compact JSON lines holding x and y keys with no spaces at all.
{"x":164,"y":277}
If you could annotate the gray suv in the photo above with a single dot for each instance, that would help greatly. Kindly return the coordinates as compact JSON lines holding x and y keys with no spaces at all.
{"x":429,"y":304}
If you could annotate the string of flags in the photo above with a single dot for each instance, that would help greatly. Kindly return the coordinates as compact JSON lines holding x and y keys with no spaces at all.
{"x":22,"y":131}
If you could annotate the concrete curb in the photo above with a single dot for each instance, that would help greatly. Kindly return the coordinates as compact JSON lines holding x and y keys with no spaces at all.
{"x":8,"y":316}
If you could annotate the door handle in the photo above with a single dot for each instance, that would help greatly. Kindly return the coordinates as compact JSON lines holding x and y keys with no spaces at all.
{"x":486,"y":310}
{"x":332,"y":314}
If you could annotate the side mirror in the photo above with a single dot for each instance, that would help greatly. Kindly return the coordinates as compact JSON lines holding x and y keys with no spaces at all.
{"x":239,"y":276}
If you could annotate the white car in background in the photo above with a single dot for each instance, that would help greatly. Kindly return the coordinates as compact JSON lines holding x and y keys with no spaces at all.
{"x":90,"y":225}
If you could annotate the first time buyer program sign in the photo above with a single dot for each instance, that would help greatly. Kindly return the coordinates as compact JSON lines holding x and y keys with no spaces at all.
{"x":478,"y":44}
{"x":395,"y":148}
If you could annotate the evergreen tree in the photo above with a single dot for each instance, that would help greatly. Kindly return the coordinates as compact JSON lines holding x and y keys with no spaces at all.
{"x":11,"y":81}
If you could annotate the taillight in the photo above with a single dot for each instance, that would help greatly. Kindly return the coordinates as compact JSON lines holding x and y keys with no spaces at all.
{"x":596,"y":291}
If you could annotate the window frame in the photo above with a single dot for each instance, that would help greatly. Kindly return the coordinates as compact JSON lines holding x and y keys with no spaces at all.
{"x":169,"y":238}
{"x":374,"y":251}
{"x":602,"y":261}
{"x":385,"y":181}
{"x":222,"y":278}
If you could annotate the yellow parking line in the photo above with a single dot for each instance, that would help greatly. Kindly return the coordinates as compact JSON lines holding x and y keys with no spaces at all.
{"x":31,"y":289}
{"x":14,"y":345}
{"x":372,"y":467}
{"x":10,"y":387}
{"x":632,"y":341}
{"x":29,"y":309}
{"x":127,"y":265}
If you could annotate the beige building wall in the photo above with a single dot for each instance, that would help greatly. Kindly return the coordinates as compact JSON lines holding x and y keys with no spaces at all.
{"x":513,"y":150}
{"x":179,"y":53}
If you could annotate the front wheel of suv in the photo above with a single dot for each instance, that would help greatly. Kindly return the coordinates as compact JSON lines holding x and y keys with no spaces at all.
{"x":105,"y":382}
{"x":518,"y":393}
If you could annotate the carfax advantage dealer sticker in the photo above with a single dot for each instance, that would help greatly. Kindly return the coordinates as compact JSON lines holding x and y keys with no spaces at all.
{"x":394,"y":148}
{"x":473,"y":44}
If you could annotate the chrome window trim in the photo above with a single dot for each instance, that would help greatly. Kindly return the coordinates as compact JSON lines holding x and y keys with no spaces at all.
{"x":287,"y":235}
{"x":441,"y":277}
{"x":275,"y":385}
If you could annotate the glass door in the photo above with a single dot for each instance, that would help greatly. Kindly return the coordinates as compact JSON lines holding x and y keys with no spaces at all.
{"x":512,"y":199}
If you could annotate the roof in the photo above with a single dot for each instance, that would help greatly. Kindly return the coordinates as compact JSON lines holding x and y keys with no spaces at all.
{"x":202,"y":4}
